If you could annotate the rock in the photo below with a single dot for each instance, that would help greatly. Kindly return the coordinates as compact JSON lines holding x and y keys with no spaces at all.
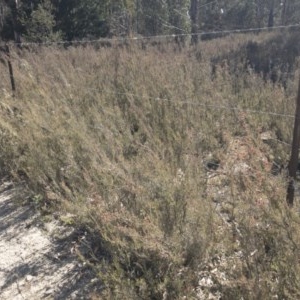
{"x":29,"y":278}
{"x":212,"y":164}
{"x":267,"y":135}
{"x":206,"y":282}
{"x":49,"y":291}
{"x":241,"y":168}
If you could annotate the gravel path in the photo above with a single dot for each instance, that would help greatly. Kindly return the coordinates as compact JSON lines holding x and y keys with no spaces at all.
{"x":38,"y":260}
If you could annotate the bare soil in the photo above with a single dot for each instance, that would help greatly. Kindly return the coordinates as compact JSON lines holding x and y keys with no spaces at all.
{"x":38,"y":259}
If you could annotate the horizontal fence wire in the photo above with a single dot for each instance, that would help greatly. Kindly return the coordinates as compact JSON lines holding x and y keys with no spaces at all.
{"x":165,"y":36}
{"x":194,"y":102}
{"x":191,"y":101}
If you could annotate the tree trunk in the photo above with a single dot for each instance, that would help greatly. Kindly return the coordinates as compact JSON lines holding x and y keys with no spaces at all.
{"x":271,"y":14}
{"x":1,"y":16}
{"x":14,"y":7}
{"x":194,"y":19}
{"x":283,"y":12}
{"x":259,"y":13}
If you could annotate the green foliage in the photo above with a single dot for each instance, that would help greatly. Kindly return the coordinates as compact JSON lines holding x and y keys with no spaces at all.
{"x":241,"y":14}
{"x":48,"y":20}
{"x":82,"y":19}
{"x":152,"y":16}
{"x":41,"y":23}
{"x":178,"y":17}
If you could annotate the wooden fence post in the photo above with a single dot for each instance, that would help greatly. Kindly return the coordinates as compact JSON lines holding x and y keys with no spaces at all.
{"x":10,"y":69}
{"x":293,"y":164}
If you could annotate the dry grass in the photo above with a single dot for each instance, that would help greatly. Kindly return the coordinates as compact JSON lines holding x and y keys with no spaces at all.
{"x":121,"y":137}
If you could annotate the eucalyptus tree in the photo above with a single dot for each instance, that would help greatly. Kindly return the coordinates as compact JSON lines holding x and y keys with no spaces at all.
{"x":12,"y":27}
{"x":39,"y":23}
{"x":3,"y":13}
{"x":194,"y":15}
{"x":82,"y":18}
{"x":121,"y":16}
{"x":152,"y":17}
{"x":290,"y":12}
{"x":179,"y":22}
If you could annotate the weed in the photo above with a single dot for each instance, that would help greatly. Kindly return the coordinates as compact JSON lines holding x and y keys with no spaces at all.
{"x":122,"y":140}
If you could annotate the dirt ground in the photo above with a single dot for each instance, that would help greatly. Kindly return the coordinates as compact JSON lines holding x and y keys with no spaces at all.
{"x":38,"y":259}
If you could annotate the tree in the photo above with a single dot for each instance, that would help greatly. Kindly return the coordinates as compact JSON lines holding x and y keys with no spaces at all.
{"x":39,"y":27}
{"x":153,"y":17}
{"x":241,"y":14}
{"x":179,"y":18}
{"x":13,"y":24}
{"x":290,"y":12}
{"x":3,"y":13}
{"x":82,"y":18}
{"x":48,"y":20}
{"x":271,"y":13}
{"x":121,"y":16}
{"x":194,"y":21}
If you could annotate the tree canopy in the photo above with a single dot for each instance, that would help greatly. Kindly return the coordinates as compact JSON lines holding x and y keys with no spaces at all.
{"x":51,"y":20}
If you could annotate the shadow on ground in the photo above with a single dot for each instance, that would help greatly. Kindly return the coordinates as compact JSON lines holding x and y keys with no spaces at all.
{"x":37,"y":260}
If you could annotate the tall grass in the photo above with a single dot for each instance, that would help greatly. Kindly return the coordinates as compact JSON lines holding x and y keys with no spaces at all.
{"x":122,"y":138}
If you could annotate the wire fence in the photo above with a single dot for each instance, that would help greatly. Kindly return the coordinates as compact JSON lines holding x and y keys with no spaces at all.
{"x":165,"y":36}
{"x":191,"y":101}
{"x":195,"y":102}
{"x":215,"y":169}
